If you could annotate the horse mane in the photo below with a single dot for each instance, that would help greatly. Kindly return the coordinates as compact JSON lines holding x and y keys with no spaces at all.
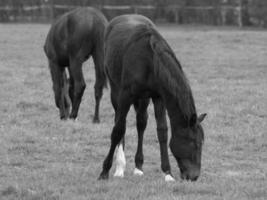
{"x":166,"y":68}
{"x":140,"y":31}
{"x":170,"y":73}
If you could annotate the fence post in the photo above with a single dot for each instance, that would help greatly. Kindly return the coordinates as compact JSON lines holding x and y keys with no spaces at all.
{"x":240,"y":10}
{"x":135,"y":9}
{"x":51,"y":8}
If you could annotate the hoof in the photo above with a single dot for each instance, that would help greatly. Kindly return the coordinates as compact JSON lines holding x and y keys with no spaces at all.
{"x":120,"y":162}
{"x":96,"y":121}
{"x":169,"y":178}
{"x":63,"y":118}
{"x":138,"y":172}
{"x":103,"y":176}
{"x":74,"y":119}
{"x":119,"y":173}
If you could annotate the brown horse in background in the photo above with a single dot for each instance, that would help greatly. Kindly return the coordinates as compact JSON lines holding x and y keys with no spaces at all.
{"x":72,"y":39}
{"x":140,"y":65}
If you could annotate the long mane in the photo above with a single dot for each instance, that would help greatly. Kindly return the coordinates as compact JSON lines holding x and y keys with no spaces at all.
{"x":167,"y":69}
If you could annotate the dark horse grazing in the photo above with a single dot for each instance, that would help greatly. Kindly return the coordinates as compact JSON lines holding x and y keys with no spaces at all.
{"x":72,"y":39}
{"x":141,"y":65}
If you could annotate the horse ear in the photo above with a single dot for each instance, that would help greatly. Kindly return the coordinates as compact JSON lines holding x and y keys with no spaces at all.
{"x":201,"y":117}
{"x":193,"y":120}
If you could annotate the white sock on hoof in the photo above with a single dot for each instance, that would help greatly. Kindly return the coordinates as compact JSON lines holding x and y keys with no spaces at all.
{"x":120,"y":162}
{"x":138,"y":172}
{"x":72,"y":119}
{"x":169,"y":178}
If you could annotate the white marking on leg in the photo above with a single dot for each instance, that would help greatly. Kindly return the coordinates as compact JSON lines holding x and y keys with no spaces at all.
{"x":169,"y":178}
{"x":73,"y":120}
{"x":138,"y":172}
{"x":120,"y":162}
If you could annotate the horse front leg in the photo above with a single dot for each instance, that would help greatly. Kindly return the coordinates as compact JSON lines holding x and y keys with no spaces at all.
{"x":59,"y":84}
{"x":162,"y":132}
{"x":118,"y":131}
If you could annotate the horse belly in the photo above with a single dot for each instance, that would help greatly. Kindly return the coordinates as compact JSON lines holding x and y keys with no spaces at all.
{"x":144,"y":91}
{"x":63,"y":61}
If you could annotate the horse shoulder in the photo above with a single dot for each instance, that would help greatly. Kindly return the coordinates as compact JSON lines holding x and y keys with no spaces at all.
{"x":137,"y":62}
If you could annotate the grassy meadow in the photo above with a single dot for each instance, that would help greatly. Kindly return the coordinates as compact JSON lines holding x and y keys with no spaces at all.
{"x":43,"y":158}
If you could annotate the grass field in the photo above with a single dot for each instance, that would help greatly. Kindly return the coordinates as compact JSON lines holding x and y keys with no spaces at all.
{"x":44,"y":158}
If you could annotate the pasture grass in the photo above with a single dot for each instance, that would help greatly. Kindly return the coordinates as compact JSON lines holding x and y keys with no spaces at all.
{"x":42,"y":157}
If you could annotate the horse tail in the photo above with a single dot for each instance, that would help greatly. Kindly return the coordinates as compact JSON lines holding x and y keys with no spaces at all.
{"x":102,"y":66}
{"x":101,"y":69}
{"x":169,"y":72}
{"x":44,"y":48}
{"x":98,"y":56}
{"x":104,"y":76}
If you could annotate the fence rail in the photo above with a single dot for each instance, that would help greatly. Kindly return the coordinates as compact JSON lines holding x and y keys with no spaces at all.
{"x":108,"y":7}
{"x":215,"y":15}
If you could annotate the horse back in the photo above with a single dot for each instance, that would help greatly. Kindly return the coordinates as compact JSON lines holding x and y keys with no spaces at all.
{"x":128,"y":56}
{"x":75,"y":34}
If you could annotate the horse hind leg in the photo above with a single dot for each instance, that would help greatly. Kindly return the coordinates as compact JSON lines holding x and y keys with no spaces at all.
{"x":100,"y":81}
{"x":65,"y":93}
{"x":120,"y":156}
{"x":141,"y":119}
{"x":118,"y":131}
{"x":98,"y":95}
{"x":141,"y":123}
{"x":57,"y":74}
{"x":120,"y":160}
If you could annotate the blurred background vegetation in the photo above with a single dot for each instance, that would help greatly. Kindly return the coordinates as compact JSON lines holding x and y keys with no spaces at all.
{"x":209,"y":12}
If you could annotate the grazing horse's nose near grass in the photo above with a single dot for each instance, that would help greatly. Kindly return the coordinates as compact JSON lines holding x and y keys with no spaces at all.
{"x":191,"y":175}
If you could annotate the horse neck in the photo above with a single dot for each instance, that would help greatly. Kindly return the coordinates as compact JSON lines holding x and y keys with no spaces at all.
{"x":170,"y":76}
{"x":178,"y":118}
